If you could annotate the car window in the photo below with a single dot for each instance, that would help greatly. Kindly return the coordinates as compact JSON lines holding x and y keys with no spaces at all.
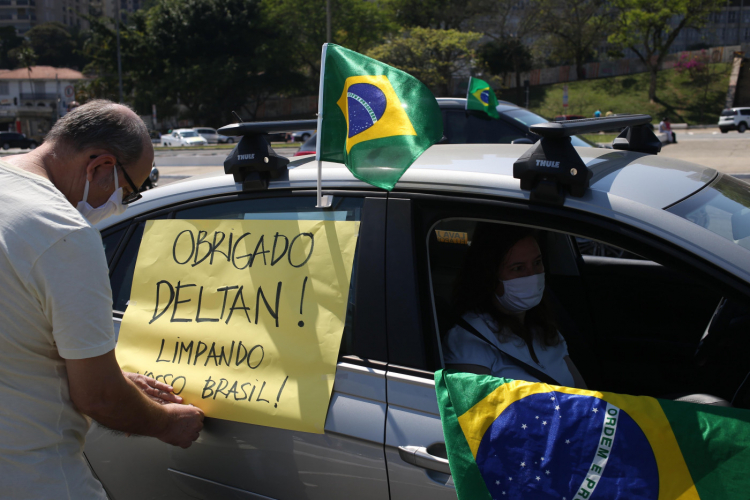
{"x":723,"y":208}
{"x":283,"y":208}
{"x":745,"y":112}
{"x":121,"y":277}
{"x":189,"y":133}
{"x":461,"y":127}
{"x":728,"y":112}
{"x":645,"y":311}
{"x":110,"y":242}
{"x":597,"y":248}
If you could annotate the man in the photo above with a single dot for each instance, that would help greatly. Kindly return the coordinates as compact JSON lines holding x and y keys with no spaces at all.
{"x":57,"y":358}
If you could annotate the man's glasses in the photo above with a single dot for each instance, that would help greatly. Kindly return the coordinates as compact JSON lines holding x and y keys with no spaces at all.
{"x":135,"y":194}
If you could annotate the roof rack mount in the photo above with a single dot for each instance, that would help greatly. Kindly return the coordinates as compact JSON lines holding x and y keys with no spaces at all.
{"x":253,"y":162}
{"x":552,"y":167}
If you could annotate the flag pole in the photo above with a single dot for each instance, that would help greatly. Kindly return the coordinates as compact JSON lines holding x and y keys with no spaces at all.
{"x":320,"y":128}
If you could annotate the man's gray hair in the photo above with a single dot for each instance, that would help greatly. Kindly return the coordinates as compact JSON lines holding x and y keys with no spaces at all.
{"x":102,"y":124}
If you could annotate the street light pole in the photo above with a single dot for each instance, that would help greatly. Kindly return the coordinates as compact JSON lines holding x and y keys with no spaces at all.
{"x":119,"y":63}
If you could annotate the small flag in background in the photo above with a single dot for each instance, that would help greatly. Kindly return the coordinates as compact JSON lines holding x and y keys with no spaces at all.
{"x":376,"y":119}
{"x":513,"y":439}
{"x":480,"y":97}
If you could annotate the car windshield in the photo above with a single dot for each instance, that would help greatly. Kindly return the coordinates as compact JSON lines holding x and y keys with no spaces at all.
{"x":723,"y":208}
{"x":728,"y":112}
{"x":189,"y":133}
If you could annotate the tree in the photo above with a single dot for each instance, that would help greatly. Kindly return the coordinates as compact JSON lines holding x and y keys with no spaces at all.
{"x":100,"y":50}
{"x":209,"y":55}
{"x":649,"y":27}
{"x":206,"y":57}
{"x":301,"y":29}
{"x":439,"y":14}
{"x":501,"y":57}
{"x":576,"y":27}
{"x":430,"y":55}
{"x":26,"y":58}
{"x":9,"y":40}
{"x":54,"y":46}
{"x":702,"y":74}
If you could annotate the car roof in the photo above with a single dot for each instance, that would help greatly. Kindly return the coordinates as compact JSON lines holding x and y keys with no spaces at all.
{"x":184,"y":130}
{"x":649,"y":180}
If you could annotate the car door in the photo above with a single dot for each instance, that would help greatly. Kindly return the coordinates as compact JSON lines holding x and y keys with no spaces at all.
{"x":414,"y":443}
{"x":419,"y":287}
{"x":238,"y":460}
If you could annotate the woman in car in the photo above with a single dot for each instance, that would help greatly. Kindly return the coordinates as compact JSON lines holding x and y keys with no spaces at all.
{"x":506,"y":328}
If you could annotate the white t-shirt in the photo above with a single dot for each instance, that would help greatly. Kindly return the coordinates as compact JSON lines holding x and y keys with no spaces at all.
{"x":55,"y":303}
{"x":463,"y":348}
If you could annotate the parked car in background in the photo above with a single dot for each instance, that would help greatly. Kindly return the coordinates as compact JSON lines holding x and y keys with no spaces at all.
{"x":302,"y":136}
{"x":183,"y":137}
{"x":226,"y":139}
{"x":210,"y":134}
{"x":474,"y":127}
{"x":15,"y":140}
{"x":734,"y":119}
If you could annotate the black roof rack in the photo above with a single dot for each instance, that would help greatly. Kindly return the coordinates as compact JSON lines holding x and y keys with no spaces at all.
{"x":552,"y":166}
{"x":253,"y":162}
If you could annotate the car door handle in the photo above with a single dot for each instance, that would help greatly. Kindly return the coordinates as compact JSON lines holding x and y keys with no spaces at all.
{"x":417,"y":455}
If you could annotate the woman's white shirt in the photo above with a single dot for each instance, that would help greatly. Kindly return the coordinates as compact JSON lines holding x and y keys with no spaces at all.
{"x":463,"y":348}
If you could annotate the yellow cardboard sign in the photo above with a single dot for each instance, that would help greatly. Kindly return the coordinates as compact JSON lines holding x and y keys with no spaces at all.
{"x":243,"y":318}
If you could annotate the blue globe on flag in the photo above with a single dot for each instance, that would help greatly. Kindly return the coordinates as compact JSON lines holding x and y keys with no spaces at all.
{"x":565,"y":446}
{"x":366,"y":104}
{"x":485,"y":96}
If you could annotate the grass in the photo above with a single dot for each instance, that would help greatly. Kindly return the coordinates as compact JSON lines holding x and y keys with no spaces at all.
{"x":678,"y":97}
{"x":599,"y":137}
{"x":222,"y":146}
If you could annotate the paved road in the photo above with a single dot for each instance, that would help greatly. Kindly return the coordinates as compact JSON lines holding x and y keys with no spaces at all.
{"x":729,"y":153}
{"x":176,"y":165}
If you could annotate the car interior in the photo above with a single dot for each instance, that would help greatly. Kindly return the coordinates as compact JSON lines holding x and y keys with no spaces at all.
{"x":632,"y":325}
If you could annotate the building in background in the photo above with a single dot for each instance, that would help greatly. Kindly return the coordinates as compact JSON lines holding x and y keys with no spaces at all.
{"x":25,"y":14}
{"x":32,"y":100}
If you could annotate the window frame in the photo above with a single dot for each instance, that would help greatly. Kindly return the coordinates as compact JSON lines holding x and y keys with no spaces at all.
{"x":429,"y":209}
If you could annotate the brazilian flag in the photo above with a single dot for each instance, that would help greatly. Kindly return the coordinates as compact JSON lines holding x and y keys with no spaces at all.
{"x":480,"y":97}
{"x":376,"y":119}
{"x":514,"y":439}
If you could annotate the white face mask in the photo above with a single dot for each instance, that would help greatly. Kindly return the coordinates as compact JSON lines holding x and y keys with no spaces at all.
{"x":113,"y":206}
{"x":521,"y":294}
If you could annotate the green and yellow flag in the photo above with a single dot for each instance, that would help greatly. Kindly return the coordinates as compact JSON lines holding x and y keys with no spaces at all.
{"x":376,"y":119}
{"x":515,"y":439}
{"x":480,"y":97}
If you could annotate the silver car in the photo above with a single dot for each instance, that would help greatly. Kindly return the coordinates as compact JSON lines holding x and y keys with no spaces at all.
{"x":667,"y":316}
{"x":210,"y":134}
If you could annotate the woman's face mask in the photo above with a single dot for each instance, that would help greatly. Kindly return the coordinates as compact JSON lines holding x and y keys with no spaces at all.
{"x":522,"y":294}
{"x":113,"y":206}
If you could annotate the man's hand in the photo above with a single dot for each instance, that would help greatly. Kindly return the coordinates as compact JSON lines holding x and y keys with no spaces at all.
{"x":100,"y":389}
{"x":155,"y":390}
{"x":185,"y":423}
